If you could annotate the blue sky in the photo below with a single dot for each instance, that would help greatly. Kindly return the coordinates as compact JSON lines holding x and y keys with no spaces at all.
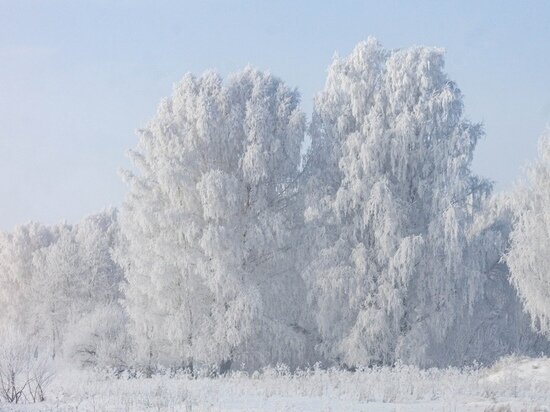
{"x":78,"y":77}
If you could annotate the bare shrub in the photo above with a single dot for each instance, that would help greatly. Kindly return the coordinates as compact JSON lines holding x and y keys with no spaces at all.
{"x":25,"y":371}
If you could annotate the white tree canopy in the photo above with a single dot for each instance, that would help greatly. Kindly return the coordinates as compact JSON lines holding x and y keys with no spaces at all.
{"x":207,"y":225}
{"x":52,"y":276}
{"x":393,"y":194}
{"x":231,"y":250}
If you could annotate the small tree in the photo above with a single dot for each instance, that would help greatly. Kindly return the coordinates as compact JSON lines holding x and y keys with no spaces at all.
{"x":99,"y":339}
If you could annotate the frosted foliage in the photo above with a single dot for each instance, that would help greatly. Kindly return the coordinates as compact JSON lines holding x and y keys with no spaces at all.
{"x":208,"y":226}
{"x":51,"y":276}
{"x":99,"y":339}
{"x":495,"y":324}
{"x":76,"y":273}
{"x":390,"y":198}
{"x":232,"y":251}
{"x":529,"y":255}
{"x":17,"y":274}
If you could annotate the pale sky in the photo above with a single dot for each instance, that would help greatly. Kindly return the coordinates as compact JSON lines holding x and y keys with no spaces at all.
{"x":77,"y":78}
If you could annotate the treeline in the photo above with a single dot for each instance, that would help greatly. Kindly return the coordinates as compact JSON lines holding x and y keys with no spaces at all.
{"x":251,"y":236}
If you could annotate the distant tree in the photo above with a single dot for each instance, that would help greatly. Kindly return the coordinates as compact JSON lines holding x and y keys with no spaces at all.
{"x":50,"y":277}
{"x":18,"y":276}
{"x":208,"y":226}
{"x":76,"y":274}
{"x":390,"y":200}
{"x":529,"y":255}
{"x":99,"y":338}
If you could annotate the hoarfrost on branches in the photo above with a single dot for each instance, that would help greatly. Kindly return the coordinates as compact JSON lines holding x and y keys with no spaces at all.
{"x":391,"y":201}
{"x":235,"y":251}
{"x":209,"y":224}
{"x":529,"y":257}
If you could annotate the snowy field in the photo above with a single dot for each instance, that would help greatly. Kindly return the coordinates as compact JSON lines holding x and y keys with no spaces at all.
{"x":513,"y":384}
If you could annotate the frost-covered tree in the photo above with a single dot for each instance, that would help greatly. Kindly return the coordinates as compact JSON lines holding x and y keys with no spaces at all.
{"x":208,"y":226}
{"x":50,"y":277}
{"x":497,"y":325}
{"x":529,"y":255}
{"x":99,"y":338}
{"x":390,"y":200}
{"x":18,"y":275}
{"x":76,"y":274}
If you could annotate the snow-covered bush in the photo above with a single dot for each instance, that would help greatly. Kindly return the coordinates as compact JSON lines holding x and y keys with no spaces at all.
{"x":523,"y":384}
{"x":99,"y":339}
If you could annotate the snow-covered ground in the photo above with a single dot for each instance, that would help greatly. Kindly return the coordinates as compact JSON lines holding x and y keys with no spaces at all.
{"x":513,"y":384}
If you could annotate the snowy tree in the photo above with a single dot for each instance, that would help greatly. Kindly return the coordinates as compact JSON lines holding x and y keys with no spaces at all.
{"x":529,"y":255}
{"x":497,"y":325}
{"x":52,"y":276}
{"x":208,"y":226}
{"x":391,"y":197}
{"x":17,"y":276}
{"x":76,"y":274}
{"x":99,"y":338}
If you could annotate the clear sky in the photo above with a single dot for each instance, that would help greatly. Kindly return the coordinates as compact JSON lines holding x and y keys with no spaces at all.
{"x":78,"y":77}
